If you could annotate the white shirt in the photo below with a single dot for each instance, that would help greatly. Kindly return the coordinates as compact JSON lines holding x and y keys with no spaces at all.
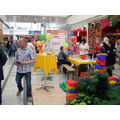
{"x":83,"y":48}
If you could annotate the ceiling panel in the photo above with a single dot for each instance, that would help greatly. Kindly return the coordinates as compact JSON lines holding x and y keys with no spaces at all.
{"x":35,"y":18}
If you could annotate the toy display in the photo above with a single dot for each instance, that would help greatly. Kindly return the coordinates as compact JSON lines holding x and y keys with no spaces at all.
{"x":71,"y":90}
{"x":100,"y":67}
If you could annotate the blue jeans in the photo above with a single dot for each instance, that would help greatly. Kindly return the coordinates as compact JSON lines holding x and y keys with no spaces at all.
{"x":19,"y":77}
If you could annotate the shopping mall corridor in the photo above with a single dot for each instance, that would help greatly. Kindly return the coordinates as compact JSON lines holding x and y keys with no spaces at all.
{"x":10,"y":88}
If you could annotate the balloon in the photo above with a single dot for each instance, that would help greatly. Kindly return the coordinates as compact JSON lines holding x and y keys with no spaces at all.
{"x":42,"y":42}
{"x":40,"y":46}
{"x":73,"y":38}
{"x":69,"y":53}
{"x":66,"y":45}
{"x":73,"y":44}
{"x":117,"y":30}
{"x":38,"y":42}
{"x":71,"y":33}
{"x":72,"y":50}
{"x":48,"y":36}
{"x":41,"y":37}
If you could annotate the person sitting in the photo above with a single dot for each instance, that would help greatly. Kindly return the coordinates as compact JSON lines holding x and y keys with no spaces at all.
{"x":62,"y":58}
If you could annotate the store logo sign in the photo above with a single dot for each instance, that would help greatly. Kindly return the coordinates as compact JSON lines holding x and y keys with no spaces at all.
{"x":104,"y":23}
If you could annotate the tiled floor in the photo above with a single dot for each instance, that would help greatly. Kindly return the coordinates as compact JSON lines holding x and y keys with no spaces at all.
{"x":9,"y":93}
{"x":7,"y":67}
{"x":55,"y":96}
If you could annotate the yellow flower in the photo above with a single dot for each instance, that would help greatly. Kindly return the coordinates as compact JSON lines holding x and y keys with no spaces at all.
{"x":92,"y":76}
{"x":112,"y":82}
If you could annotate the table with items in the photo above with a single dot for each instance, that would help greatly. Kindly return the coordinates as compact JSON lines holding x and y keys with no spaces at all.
{"x":46,"y":63}
{"x":78,"y":61}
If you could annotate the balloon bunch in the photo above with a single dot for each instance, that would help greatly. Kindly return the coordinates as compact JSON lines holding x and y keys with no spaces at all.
{"x":73,"y":38}
{"x":40,"y":45}
{"x":41,"y":37}
{"x":72,"y":49}
{"x":113,"y":80}
{"x":100,"y":67}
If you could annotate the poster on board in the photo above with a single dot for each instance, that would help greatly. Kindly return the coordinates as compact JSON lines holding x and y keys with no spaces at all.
{"x":58,"y":39}
{"x":55,"y":43}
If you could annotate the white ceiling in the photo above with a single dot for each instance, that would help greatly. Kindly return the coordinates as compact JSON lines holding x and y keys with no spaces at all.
{"x":35,"y":18}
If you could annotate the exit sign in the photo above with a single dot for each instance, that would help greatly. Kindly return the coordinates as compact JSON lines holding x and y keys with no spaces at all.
{"x":104,"y":23}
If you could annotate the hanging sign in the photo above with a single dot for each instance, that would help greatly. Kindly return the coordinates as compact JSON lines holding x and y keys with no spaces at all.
{"x":104,"y":23}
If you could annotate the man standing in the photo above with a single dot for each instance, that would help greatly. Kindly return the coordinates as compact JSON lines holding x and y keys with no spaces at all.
{"x":3,"y":59}
{"x":25,"y":57}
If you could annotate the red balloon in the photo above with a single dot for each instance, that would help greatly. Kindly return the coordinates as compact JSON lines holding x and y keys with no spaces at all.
{"x":40,"y":46}
{"x":72,"y":50}
{"x":72,"y":44}
{"x":73,"y":38}
{"x":117,"y":30}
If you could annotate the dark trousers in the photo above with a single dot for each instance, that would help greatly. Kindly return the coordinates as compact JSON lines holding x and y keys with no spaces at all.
{"x":9,"y":53}
{"x":95,"y":55}
{"x":19,"y":77}
{"x":90,"y":55}
{"x":0,"y":93}
{"x":109,"y":70}
{"x":12,"y":53}
{"x":65,"y":62}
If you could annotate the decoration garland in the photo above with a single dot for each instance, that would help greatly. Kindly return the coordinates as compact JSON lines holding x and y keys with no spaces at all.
{"x":114,"y":19}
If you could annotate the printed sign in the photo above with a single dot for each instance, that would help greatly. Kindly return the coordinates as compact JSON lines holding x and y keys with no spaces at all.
{"x":58,"y":39}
